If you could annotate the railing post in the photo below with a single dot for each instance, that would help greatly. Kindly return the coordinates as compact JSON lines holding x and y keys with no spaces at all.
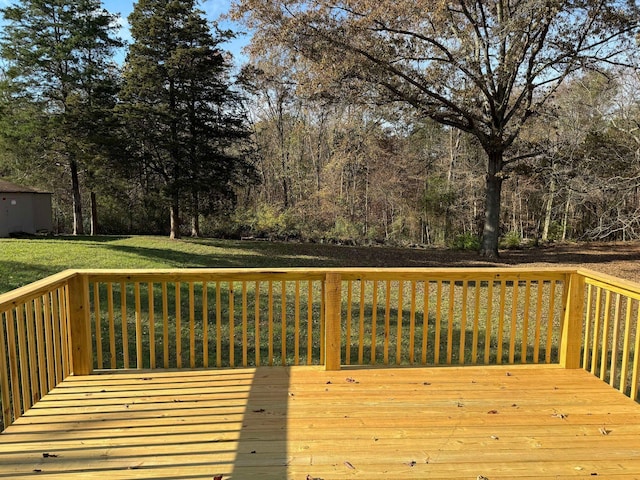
{"x":332,"y":320}
{"x":571,"y":342}
{"x":79,"y":326}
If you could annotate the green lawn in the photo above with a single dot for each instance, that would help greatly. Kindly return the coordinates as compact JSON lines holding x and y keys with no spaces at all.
{"x":25,"y":260}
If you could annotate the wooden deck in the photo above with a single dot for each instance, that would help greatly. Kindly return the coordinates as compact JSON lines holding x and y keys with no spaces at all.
{"x":500,"y":422}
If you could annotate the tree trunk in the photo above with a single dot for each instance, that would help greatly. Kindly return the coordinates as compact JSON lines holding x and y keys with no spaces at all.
{"x":94,"y":214}
{"x":78,"y":227}
{"x":195,"y":216}
{"x":174,"y":212}
{"x":490,"y":232}
{"x":549,"y":206}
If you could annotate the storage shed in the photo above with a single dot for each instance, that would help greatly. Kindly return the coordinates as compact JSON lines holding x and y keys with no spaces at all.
{"x":23,"y":209}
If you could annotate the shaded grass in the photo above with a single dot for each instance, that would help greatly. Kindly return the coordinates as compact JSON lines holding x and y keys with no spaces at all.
{"x":23,"y":261}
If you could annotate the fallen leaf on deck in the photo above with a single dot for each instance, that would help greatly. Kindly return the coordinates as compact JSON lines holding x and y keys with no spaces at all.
{"x":426,"y":383}
{"x":494,"y":437}
{"x":482,"y":477}
{"x":412,"y":463}
{"x":309,"y":477}
{"x":49,"y":455}
{"x":604,"y":431}
{"x":492,"y":412}
{"x":351,"y":380}
{"x":217,"y":477}
{"x":37,"y":470}
{"x":561,"y":416}
{"x":349,"y":465}
{"x":259,"y":410}
{"x":508,"y":374}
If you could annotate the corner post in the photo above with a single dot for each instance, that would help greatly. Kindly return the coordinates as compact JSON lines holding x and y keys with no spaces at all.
{"x":571,"y":340}
{"x":332,"y":321}
{"x":79,"y":325}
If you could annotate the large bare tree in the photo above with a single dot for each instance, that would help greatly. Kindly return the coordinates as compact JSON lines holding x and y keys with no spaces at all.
{"x":481,"y":66}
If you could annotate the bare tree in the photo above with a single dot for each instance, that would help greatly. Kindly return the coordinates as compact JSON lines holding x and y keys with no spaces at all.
{"x":484,"y":67}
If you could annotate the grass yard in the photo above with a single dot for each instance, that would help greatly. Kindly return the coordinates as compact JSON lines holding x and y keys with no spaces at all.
{"x":25,"y":260}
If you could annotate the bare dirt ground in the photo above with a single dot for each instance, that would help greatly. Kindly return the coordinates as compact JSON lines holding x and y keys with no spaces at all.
{"x":620,"y":259}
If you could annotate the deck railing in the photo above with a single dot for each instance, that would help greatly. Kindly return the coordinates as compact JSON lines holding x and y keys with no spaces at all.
{"x":82,"y":321}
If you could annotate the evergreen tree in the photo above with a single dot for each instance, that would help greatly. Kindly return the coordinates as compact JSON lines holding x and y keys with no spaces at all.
{"x":178,"y":105}
{"x":60,"y":59}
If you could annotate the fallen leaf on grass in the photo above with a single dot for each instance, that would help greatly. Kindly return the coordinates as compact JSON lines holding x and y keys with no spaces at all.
{"x":349,"y":465}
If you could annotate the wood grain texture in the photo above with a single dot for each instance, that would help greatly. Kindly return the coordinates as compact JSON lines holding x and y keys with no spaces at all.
{"x":501,"y":422}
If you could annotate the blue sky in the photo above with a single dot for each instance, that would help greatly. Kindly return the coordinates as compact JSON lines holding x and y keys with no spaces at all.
{"x":212,"y":8}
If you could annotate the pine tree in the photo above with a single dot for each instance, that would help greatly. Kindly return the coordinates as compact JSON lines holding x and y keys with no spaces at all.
{"x":59,"y":57}
{"x":178,"y":105}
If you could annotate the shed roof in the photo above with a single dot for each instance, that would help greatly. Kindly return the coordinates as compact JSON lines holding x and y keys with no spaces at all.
{"x":8,"y":187}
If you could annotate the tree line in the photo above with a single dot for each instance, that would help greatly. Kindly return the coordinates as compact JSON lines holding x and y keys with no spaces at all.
{"x":462,"y":123}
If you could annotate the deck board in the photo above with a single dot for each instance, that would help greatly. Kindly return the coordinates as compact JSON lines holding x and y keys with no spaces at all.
{"x":501,"y":422}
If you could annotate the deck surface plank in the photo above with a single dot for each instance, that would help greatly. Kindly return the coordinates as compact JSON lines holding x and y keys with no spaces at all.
{"x":502,"y":422}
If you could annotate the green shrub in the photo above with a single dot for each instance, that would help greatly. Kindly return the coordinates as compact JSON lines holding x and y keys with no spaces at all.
{"x":511,"y":240}
{"x":466,"y":241}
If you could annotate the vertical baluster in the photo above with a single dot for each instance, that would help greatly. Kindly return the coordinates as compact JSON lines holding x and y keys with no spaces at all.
{"x":436,"y":343}
{"x":283,"y":322}
{"x":361,"y":324}
{"x":347,"y":354}
{"x":205,"y":325}
{"x":296,"y":324}
{"x":450,"y":305}
{"x":551,"y":316}
{"x":112,"y":327}
{"x":14,"y":372}
{"x":232,"y":326}
{"x":33,"y":356}
{"x":5,"y":390}
{"x":489,"y":323}
{"x":49,"y":344}
{"x":245,"y":335}
{"x":503,"y":294}
{"x":476,"y":320}
{"x":625,"y":348}
{"x":42,"y":358}
{"x":614,"y":341}
{"x":152,"y":326}
{"x":412,"y":324}
{"x":399,"y":324}
{"x":387,"y":321}
{"x":123,"y":318}
{"x":218,"y":325}
{"x":23,"y":358}
{"x":165,"y":324}
{"x":257,"y":323}
{"x":310,"y":323}
{"x":605,"y":335}
{"x":596,"y":331}
{"x":525,"y":323}
{"x":178,"y":313}
{"x":139,"y":339}
{"x":425,"y":320}
{"x":463,"y":322}
{"x":514,"y":322}
{"x":98,"y":324}
{"x":192,"y":325}
{"x":374,"y":322}
{"x":270,"y":324}
{"x":538,"y":328}
{"x":587,"y":328}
